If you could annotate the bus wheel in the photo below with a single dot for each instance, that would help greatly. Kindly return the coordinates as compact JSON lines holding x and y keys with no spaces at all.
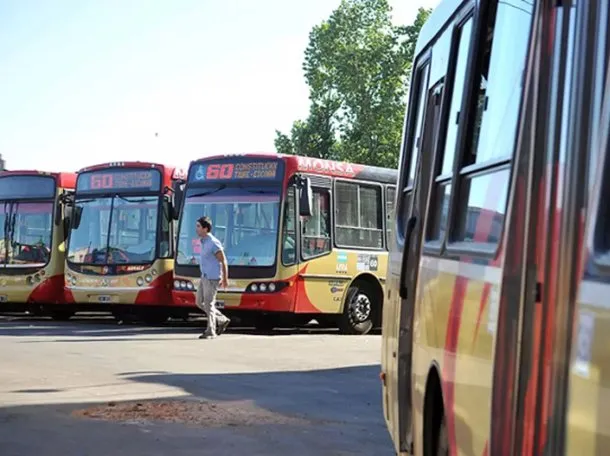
{"x":155,"y":318}
{"x":61,"y":315}
{"x":359,"y":310}
{"x":266,"y":323}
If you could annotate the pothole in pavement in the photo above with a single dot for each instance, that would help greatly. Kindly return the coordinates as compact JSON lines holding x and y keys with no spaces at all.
{"x":193,"y":412}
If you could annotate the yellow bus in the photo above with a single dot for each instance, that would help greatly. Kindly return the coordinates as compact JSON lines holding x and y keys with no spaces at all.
{"x":304,"y":238}
{"x":496,"y":315}
{"x":120,"y":247}
{"x":32,"y":249}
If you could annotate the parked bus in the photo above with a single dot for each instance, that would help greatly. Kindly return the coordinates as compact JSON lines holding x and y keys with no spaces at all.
{"x":494,"y":328}
{"x":32,"y":249}
{"x":304,"y":238}
{"x":120,"y":249}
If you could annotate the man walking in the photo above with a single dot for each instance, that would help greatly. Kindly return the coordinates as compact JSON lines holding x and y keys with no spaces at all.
{"x":214,"y":273}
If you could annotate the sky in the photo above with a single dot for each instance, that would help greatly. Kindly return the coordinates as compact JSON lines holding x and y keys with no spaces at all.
{"x":86,"y":82}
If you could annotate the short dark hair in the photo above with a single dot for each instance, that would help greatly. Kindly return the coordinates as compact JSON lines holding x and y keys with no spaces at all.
{"x":205,"y":222}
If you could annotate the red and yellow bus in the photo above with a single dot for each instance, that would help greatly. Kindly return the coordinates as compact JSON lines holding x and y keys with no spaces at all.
{"x":494,"y":328}
{"x":304,"y":238}
{"x":32,"y":249}
{"x":120,"y":248}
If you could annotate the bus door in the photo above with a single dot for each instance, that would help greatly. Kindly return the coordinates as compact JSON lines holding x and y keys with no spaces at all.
{"x":413,"y":208}
{"x":315,"y":250}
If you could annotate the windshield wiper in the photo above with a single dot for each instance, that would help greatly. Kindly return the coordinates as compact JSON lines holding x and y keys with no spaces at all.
{"x":259,"y":192}
{"x":138,"y":201}
{"x":221,"y":187}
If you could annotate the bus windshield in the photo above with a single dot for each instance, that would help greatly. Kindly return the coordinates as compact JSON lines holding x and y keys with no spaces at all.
{"x":244,"y":218}
{"x":27,"y":229}
{"x":115,"y":230}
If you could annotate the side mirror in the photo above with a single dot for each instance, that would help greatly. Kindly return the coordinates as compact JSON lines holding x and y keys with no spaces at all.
{"x":77,"y":214}
{"x":58,"y":213}
{"x":68,"y":214}
{"x":178,"y":190}
{"x":306,"y":198}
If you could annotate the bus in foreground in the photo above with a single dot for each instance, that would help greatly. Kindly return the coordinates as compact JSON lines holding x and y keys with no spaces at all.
{"x":304,"y":238}
{"x":120,"y":249}
{"x":32,"y":248}
{"x":496,"y":330}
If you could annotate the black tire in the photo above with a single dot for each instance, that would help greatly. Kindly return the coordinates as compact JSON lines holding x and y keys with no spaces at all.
{"x":266,"y":323}
{"x":61,"y":315}
{"x":442,"y":443}
{"x":359,"y":310}
{"x":155,"y":318}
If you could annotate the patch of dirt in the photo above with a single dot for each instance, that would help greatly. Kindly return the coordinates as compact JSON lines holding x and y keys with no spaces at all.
{"x":194,"y":412}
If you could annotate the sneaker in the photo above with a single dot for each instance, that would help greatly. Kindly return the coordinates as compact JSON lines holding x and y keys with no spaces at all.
{"x":208,"y":336}
{"x":222,"y":327}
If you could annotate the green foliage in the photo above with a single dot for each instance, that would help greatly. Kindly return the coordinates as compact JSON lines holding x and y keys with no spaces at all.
{"x":357,"y":65}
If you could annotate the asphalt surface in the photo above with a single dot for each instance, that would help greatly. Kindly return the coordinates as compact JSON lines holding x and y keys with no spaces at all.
{"x":91,"y":387}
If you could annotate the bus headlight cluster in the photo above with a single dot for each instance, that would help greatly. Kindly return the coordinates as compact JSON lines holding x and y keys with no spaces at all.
{"x":148,"y":278}
{"x":33,"y":279}
{"x":70,"y":280}
{"x":184,"y":285}
{"x":266,"y":287}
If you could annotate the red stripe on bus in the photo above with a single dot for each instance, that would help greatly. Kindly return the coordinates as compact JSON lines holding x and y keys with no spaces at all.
{"x":449,"y":366}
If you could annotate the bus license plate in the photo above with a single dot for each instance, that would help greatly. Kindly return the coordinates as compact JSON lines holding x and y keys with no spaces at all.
{"x":3,"y":298}
{"x":220,"y":304}
{"x":104,"y":298}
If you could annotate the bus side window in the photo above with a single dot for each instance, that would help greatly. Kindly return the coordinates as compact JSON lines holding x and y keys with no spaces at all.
{"x":444,"y":172}
{"x":484,"y":173}
{"x":411,"y":151}
{"x":289,"y":234}
{"x":316,"y":229}
{"x":358,"y":215}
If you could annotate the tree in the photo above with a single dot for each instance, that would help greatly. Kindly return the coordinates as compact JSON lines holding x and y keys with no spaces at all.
{"x":356,"y":65}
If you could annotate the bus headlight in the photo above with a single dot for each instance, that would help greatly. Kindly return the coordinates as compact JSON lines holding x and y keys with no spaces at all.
{"x":148,"y":278}
{"x":254,"y":287}
{"x":140,"y":281}
{"x":154,"y":272}
{"x":73,"y":280}
{"x":29,"y":280}
{"x":263,"y":287}
{"x":183,"y":285}
{"x":190,"y":286}
{"x":272,"y":287}
{"x":177,"y":284}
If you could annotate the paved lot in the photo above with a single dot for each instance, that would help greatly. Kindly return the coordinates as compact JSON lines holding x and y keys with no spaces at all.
{"x":95,"y":388}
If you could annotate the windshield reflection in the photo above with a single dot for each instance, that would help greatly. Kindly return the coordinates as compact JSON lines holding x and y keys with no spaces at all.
{"x":27,"y":230}
{"x":245,"y":220}
{"x":115,"y":230}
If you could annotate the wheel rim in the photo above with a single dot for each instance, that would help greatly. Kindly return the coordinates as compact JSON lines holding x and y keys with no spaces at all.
{"x":360,"y":308}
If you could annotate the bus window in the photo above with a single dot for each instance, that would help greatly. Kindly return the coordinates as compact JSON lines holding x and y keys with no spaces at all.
{"x":412,"y":150}
{"x":442,"y":188}
{"x":359,"y":221}
{"x":289,"y":233}
{"x":500,"y":85}
{"x":486,"y":168}
{"x":316,"y":229}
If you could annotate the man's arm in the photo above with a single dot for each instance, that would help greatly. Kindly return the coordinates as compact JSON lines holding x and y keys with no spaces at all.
{"x":220,"y":256}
